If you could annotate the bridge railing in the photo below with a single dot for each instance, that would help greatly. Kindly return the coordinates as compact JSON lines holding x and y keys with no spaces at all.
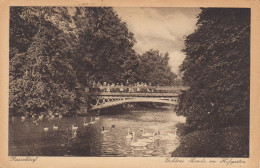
{"x":131,"y":94}
{"x":137,"y":89}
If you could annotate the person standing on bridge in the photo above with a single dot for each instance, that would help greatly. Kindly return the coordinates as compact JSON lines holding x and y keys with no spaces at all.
{"x":108,"y":88}
{"x":121,"y":88}
{"x":94,"y":84}
{"x":138,"y":88}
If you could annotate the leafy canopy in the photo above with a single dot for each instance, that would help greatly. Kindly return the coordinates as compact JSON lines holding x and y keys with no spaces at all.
{"x":217,"y":69}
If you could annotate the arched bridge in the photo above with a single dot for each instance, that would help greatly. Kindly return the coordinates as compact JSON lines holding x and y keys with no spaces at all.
{"x":104,"y":97}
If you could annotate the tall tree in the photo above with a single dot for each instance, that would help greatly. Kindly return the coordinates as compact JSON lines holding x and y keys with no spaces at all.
{"x":217,"y":69}
{"x":154,"y":68}
{"x":105,"y":44}
{"x":55,"y":51}
{"x":42,"y":77}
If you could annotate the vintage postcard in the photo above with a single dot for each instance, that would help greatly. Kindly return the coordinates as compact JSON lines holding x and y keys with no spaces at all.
{"x":129,"y":84}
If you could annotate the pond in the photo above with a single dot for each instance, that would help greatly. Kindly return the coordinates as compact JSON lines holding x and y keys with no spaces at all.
{"x":27,"y":138}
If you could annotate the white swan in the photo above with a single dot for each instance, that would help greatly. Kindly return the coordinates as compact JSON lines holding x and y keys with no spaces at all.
{"x":129,"y":135}
{"x":23,"y":118}
{"x":35,"y":122}
{"x":54,"y":128}
{"x":73,"y":128}
{"x":104,"y":131}
{"x":91,"y":121}
{"x":138,"y":143}
{"x":174,"y":135}
{"x":50,"y":117}
{"x":85,"y":123}
{"x":46,"y":129}
{"x":156,"y":136}
{"x":40,"y":117}
{"x":74,"y":134}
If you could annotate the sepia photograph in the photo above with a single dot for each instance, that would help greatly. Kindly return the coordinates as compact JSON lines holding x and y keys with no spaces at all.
{"x":129,"y":81}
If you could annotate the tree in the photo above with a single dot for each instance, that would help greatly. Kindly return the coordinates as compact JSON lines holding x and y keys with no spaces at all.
{"x":21,"y":32}
{"x":105,"y":44}
{"x":56,"y":51}
{"x":42,"y":77}
{"x":217,"y":69}
{"x":154,"y":68}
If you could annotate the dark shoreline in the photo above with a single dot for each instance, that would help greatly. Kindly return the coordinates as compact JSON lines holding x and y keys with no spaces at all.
{"x":221,"y":142}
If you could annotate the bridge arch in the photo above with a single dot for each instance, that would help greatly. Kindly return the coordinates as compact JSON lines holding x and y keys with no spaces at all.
{"x":103,"y":97}
{"x":112,"y":101}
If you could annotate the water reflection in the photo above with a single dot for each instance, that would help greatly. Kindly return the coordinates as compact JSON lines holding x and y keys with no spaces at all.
{"x":107,"y":135}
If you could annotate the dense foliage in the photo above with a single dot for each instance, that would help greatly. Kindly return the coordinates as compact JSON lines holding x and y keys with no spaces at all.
{"x":105,"y":43}
{"x":154,"y":68}
{"x":55,"y":52}
{"x":42,"y":77}
{"x":217,"y":69}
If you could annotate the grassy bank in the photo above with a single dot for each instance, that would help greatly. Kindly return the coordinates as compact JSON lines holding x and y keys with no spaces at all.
{"x":221,"y":142}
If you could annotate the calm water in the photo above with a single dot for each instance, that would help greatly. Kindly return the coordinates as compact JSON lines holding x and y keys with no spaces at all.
{"x":27,"y":138}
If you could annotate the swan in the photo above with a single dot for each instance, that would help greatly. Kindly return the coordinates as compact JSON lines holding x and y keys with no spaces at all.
{"x":91,"y":121}
{"x":34,"y":117}
{"x":85,"y":123}
{"x":73,"y":128}
{"x":174,"y":135}
{"x":74,"y":134}
{"x":129,"y":135}
{"x":146,"y":134}
{"x":54,"y":127}
{"x":104,"y":131}
{"x":46,"y":129}
{"x":13,"y":119}
{"x":35,"y":121}
{"x":51,"y":117}
{"x":40,"y":117}
{"x":156,"y":136}
{"x":138,"y":143}
{"x":23,"y":118}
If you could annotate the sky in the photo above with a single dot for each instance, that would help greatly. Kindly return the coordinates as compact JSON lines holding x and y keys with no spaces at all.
{"x":161,"y":29}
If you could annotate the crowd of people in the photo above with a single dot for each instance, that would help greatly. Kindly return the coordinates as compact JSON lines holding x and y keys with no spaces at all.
{"x":138,"y":87}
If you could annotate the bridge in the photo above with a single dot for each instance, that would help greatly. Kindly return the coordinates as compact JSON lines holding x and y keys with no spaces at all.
{"x":107,"y":96}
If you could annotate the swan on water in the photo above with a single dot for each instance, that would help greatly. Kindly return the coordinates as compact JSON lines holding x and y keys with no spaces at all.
{"x":73,"y":127}
{"x":156,"y":136}
{"x":129,"y":135}
{"x":55,"y":127}
{"x":138,"y":143}
{"x":40,"y":117}
{"x":46,"y":129}
{"x":91,"y":121}
{"x":174,"y":134}
{"x":60,"y":116}
{"x":85,"y":123}
{"x":35,"y":122}
{"x":104,"y":131}
{"x":23,"y":118}
{"x":74,"y":134}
